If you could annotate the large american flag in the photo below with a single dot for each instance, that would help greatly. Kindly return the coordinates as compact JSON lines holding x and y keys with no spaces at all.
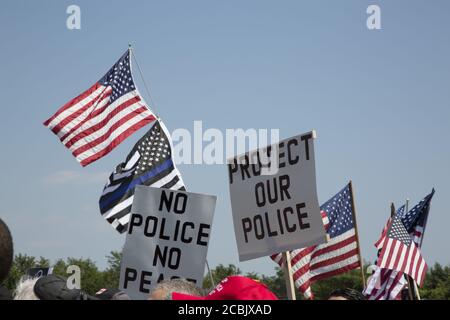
{"x":340,"y":254}
{"x":400,"y":253}
{"x":386,"y":284}
{"x":94,"y":123}
{"x":149,"y":163}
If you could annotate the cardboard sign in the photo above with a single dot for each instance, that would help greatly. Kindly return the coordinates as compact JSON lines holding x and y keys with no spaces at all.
{"x":274,"y":198}
{"x":167,"y":238}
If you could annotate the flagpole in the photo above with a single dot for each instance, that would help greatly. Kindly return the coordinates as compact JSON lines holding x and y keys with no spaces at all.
{"x":426,"y":221}
{"x":392,"y":210}
{"x":361,"y":262}
{"x":411,"y":283}
{"x":416,"y":289}
{"x":421,"y":240}
{"x":420,"y":246}
{"x":290,"y":289}
{"x":131,"y":50}
{"x":411,"y":296}
{"x":213,"y":285}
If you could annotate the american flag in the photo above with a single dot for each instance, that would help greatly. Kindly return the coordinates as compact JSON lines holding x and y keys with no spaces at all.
{"x":340,"y":254}
{"x":149,"y":163}
{"x":387,"y":284}
{"x":379,"y":243}
{"x":416,"y":219}
{"x":94,"y":123}
{"x":400,"y":253}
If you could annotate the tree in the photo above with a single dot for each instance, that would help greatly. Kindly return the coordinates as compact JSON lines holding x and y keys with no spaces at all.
{"x":21,"y":264}
{"x":112,"y":274}
{"x":323,"y":288}
{"x":92,"y":279}
{"x":220,"y":273}
{"x":436,"y":286}
{"x":276,"y":283}
{"x":437,"y":283}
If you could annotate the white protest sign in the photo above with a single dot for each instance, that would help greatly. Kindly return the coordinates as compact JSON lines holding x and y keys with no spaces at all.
{"x":167,"y":238}
{"x":280,"y":211}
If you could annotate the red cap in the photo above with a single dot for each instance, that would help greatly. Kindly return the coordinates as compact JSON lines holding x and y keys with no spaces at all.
{"x":233,"y":288}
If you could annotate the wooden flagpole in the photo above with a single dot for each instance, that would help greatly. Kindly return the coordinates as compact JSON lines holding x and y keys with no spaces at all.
{"x":290,"y":288}
{"x":361,"y":262}
{"x":213,"y":285}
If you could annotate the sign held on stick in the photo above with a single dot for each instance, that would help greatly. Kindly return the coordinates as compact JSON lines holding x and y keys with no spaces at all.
{"x":167,"y":238}
{"x":276,"y":212}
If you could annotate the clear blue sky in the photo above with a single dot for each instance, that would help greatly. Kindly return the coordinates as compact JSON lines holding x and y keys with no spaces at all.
{"x":379,"y":100}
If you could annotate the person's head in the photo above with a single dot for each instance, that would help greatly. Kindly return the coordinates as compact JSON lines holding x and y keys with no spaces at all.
{"x":6,"y":251}
{"x":54,"y":287}
{"x":347,"y":294}
{"x":25,"y":289}
{"x":164,"y":289}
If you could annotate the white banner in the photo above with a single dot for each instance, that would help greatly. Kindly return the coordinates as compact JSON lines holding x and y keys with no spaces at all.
{"x":167,"y":238}
{"x":274,"y":198}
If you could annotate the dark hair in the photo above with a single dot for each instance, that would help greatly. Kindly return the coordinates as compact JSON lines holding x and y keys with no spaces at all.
{"x":6,"y":251}
{"x":349,"y":294}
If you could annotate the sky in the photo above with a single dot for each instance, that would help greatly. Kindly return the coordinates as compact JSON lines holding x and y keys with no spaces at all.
{"x":379,"y":101}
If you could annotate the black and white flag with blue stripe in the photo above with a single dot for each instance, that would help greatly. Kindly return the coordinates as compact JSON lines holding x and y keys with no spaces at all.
{"x":150,"y":163}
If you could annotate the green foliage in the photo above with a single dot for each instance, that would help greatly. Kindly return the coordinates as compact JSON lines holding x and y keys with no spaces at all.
{"x":219,"y":273}
{"x":323,"y":288}
{"x":19,"y":267}
{"x":437,"y":282}
{"x":112,"y":274}
{"x":92,"y":279}
{"x":276,"y":283}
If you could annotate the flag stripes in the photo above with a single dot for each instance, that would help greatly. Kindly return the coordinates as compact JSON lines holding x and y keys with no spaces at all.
{"x":94,"y":123}
{"x":149,"y":163}
{"x":385,"y":284}
{"x":401,"y":254}
{"x":340,"y":254}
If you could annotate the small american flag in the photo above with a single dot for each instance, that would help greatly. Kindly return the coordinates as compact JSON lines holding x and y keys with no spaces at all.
{"x":386,"y":284}
{"x":340,"y":254}
{"x":94,"y":123}
{"x":149,"y":163}
{"x":400,"y":253}
{"x":379,"y":243}
{"x":416,"y":219}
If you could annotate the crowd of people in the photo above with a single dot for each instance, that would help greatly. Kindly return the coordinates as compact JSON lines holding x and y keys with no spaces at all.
{"x":54,"y":287}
